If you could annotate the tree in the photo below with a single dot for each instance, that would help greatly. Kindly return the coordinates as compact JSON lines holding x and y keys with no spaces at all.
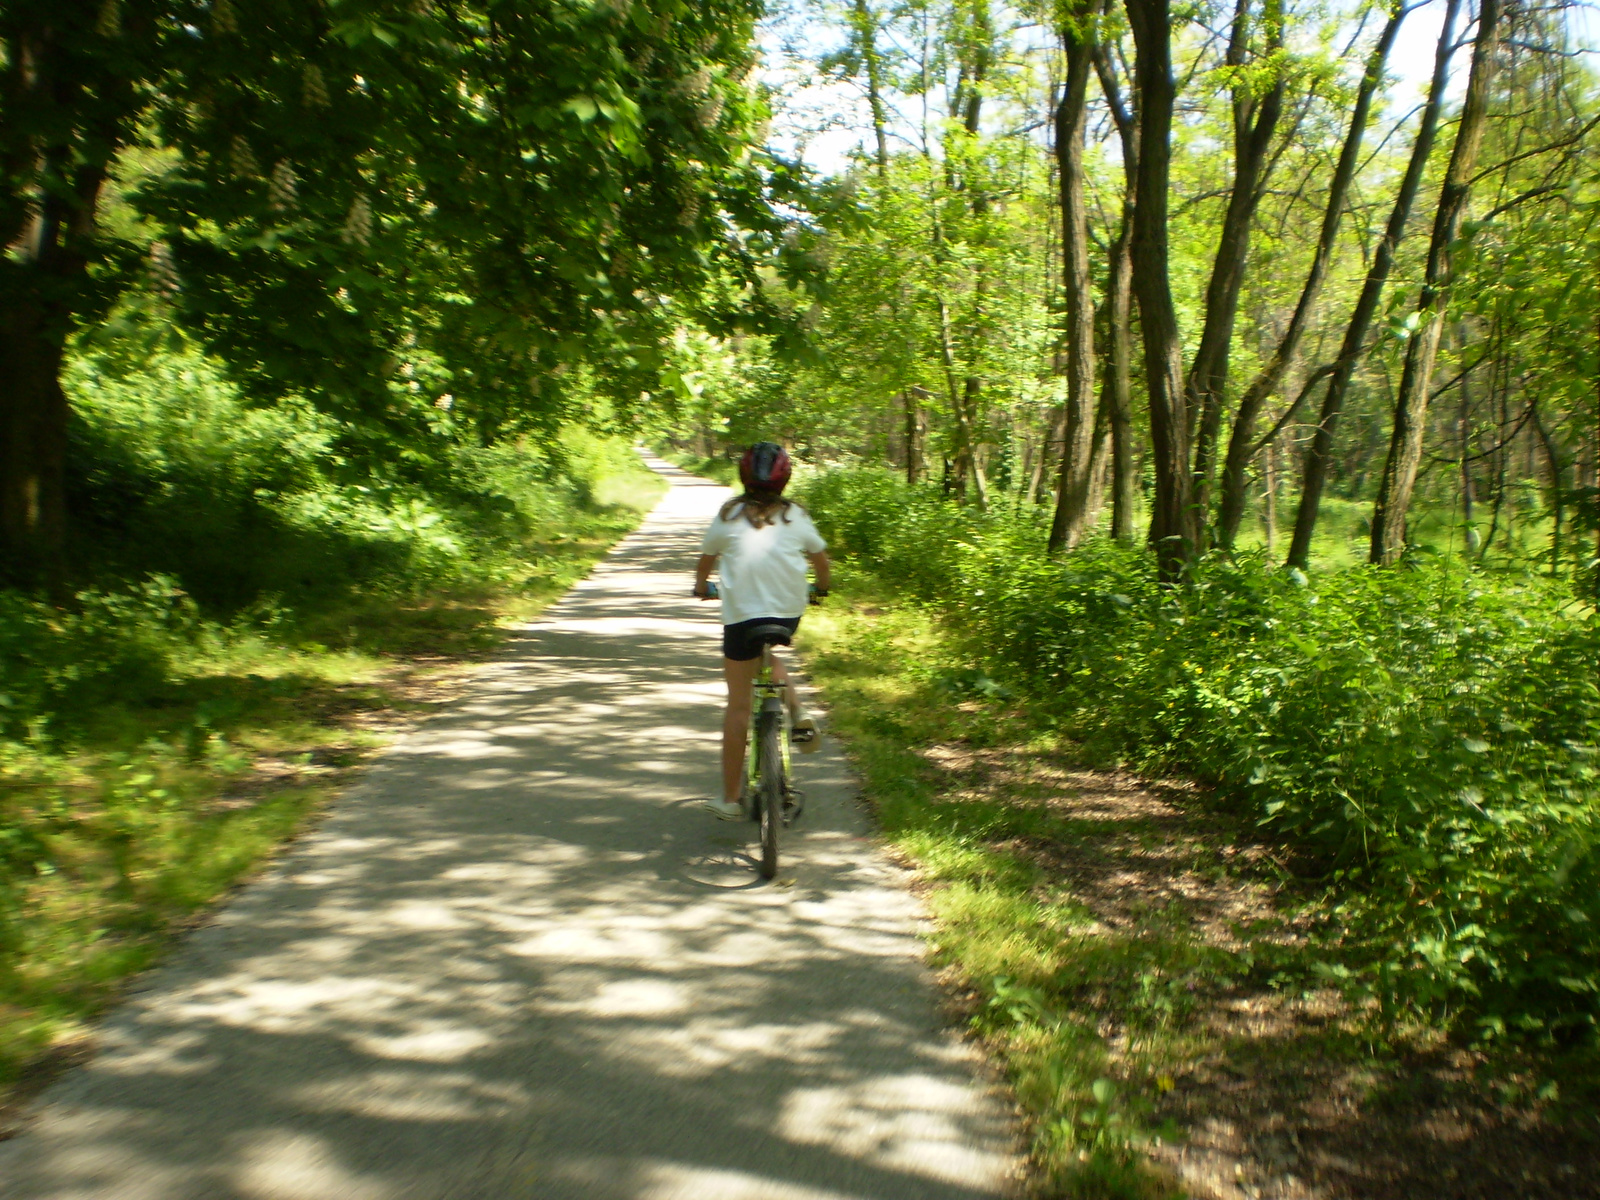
{"x":509,"y":190}
{"x":1242,"y":446}
{"x":1411,"y":405}
{"x":1257,"y":100}
{"x":1116,"y":388}
{"x":1077,"y":475}
{"x":1320,"y":455}
{"x":1173,"y":528}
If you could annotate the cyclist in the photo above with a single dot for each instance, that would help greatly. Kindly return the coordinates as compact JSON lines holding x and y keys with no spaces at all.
{"x":759,"y":545}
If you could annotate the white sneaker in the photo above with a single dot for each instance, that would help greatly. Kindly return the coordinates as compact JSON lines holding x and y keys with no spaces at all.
{"x":804,"y":735}
{"x":728,"y":810}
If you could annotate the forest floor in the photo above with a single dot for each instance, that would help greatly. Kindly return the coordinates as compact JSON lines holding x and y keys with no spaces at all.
{"x":1141,"y":965}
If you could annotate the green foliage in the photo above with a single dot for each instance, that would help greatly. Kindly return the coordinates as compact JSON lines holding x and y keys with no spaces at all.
{"x":245,"y":505}
{"x":1426,"y":738}
{"x":910,"y":535}
{"x":724,"y":470}
{"x":68,"y":661}
{"x":327,"y":191}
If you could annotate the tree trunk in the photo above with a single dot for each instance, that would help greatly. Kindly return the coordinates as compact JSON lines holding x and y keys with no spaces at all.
{"x":1099,"y":460}
{"x":1467,"y":498}
{"x":1072,"y":499}
{"x":1036,"y":469}
{"x":1320,"y":456}
{"x":910,"y":397}
{"x":1172,"y":524}
{"x":1241,"y":446}
{"x":974,"y":40}
{"x":1552,"y":454}
{"x":1270,"y":499}
{"x":865,"y":24}
{"x":49,"y":258}
{"x":33,"y":450}
{"x":1595,"y":594}
{"x":1254,"y":123}
{"x":1116,"y":399}
{"x":1411,"y":406}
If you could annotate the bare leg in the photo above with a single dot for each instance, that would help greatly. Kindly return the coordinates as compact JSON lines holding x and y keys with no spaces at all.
{"x":741,"y":678}
{"x":790,"y":696}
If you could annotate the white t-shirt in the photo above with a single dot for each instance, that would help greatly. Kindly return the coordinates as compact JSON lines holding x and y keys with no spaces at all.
{"x":763,"y":571}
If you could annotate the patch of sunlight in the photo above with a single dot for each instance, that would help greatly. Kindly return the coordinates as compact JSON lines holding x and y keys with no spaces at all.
{"x":637,"y":998}
{"x":284,"y":1165}
{"x":673,"y":1181}
{"x":172,"y":1054}
{"x":442,"y":1042}
{"x":705,"y":1046}
{"x":607,"y":944}
{"x":415,"y":1096}
{"x":909,"y":1123}
{"x":416,"y":914}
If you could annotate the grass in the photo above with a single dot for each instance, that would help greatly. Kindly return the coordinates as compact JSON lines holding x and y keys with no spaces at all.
{"x":1145,"y":968}
{"x":122,"y":821}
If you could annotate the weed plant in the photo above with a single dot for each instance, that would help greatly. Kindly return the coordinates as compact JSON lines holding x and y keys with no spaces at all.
{"x":1425,"y":739}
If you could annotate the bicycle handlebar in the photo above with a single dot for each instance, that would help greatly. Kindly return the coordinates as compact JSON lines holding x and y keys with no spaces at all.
{"x":814,"y":595}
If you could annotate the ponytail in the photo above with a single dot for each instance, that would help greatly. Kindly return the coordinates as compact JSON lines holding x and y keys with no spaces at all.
{"x":759,"y":508}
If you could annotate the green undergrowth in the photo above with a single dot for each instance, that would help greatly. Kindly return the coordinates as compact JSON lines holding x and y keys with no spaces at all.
{"x":160,"y":736}
{"x":1423,"y":740}
{"x":1140,"y":959}
{"x":1399,"y":766}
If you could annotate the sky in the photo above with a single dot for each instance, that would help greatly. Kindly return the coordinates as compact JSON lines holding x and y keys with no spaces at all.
{"x":825,"y":122}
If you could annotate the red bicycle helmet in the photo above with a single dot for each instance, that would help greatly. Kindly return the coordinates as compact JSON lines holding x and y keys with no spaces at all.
{"x":764,"y":468}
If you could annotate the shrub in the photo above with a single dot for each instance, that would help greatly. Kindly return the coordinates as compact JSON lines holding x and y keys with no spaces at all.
{"x":109,"y":643}
{"x":908,"y":535}
{"x":175,"y":474}
{"x":1426,"y":737}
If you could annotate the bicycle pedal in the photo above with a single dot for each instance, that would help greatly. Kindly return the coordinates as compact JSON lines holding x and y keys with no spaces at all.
{"x":793,"y":805}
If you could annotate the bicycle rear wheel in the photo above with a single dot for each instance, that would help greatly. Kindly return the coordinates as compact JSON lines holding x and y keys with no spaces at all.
{"x":769,"y":731}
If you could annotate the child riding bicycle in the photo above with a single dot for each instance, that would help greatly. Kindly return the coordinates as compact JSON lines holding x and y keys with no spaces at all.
{"x":759,"y":545}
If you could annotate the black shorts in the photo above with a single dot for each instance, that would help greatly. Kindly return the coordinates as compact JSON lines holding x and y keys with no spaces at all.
{"x":737,"y":643}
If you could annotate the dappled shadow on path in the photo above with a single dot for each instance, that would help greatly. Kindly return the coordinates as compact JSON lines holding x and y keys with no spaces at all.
{"x":519,"y":963}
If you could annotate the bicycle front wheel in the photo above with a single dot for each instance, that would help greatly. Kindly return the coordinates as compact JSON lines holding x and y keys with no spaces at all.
{"x":769,"y":747}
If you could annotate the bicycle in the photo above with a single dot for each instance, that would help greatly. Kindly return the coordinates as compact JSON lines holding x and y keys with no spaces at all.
{"x":770,"y":794}
{"x":769,"y":797}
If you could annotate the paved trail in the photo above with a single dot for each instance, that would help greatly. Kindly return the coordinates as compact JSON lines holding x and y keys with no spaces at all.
{"x":518,"y":963}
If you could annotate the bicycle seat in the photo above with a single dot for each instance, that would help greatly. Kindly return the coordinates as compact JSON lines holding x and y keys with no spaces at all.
{"x":770,"y":635}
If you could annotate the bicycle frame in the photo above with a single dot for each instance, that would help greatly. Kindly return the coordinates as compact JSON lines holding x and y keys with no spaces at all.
{"x":769,"y":697}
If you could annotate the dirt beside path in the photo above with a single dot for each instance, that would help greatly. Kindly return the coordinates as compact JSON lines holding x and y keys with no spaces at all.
{"x":1279,"y":1092}
{"x":518,"y":961}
